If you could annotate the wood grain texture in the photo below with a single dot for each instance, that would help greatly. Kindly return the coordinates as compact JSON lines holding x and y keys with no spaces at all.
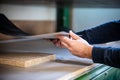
{"x":25,"y":59}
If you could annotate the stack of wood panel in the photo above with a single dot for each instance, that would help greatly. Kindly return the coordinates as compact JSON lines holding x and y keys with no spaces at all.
{"x":25,"y":59}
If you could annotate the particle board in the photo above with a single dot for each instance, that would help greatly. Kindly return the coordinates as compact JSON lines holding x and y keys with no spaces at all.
{"x":25,"y":59}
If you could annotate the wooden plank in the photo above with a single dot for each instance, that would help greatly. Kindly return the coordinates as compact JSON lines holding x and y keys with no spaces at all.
{"x":25,"y":59}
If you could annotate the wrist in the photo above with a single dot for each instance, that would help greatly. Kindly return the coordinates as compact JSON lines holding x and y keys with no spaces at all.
{"x":89,"y":53}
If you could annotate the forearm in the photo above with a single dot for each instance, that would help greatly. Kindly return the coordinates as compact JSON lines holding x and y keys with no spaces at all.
{"x":109,"y":56}
{"x":104,"y":33}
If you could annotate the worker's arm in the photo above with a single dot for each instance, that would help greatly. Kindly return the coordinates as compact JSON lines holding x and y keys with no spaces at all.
{"x":109,"y":56}
{"x":8,"y":28}
{"x":104,"y":33}
{"x":80,"y":47}
{"x":101,"y":34}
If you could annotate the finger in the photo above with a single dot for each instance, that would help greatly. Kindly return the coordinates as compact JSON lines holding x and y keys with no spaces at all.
{"x":55,"y":41}
{"x":73,"y":35}
{"x":58,"y":44}
{"x":64,"y":39}
{"x":64,"y":45}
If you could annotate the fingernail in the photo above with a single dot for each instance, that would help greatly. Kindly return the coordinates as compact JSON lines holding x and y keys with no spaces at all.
{"x":70,"y":31}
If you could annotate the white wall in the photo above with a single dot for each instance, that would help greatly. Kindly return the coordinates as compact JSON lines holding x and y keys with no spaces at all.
{"x":84,"y":18}
{"x":28,"y":12}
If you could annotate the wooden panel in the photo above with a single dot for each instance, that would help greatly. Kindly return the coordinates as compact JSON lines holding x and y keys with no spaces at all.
{"x":25,"y":59}
{"x":35,"y":27}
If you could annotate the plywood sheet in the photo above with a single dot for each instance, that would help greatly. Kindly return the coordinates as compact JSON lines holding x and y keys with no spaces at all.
{"x":25,"y":59}
{"x":35,"y":37}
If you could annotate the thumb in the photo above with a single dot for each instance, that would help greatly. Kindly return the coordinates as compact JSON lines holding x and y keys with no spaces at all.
{"x":73,"y":35}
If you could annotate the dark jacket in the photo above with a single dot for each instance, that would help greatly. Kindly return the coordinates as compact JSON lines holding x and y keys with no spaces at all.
{"x":101,"y":34}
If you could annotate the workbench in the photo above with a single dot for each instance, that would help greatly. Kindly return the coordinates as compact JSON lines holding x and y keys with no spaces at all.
{"x":55,"y":70}
{"x":65,"y":67}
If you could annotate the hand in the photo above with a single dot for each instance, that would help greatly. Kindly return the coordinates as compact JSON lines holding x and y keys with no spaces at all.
{"x":76,"y":45}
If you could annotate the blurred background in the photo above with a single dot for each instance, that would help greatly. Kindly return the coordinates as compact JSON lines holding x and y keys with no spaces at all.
{"x":47,"y":16}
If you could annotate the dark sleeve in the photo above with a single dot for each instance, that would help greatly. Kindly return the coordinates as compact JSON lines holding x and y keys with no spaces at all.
{"x":101,"y":34}
{"x":109,"y":56}
{"x":7,"y":27}
{"x":104,"y":33}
